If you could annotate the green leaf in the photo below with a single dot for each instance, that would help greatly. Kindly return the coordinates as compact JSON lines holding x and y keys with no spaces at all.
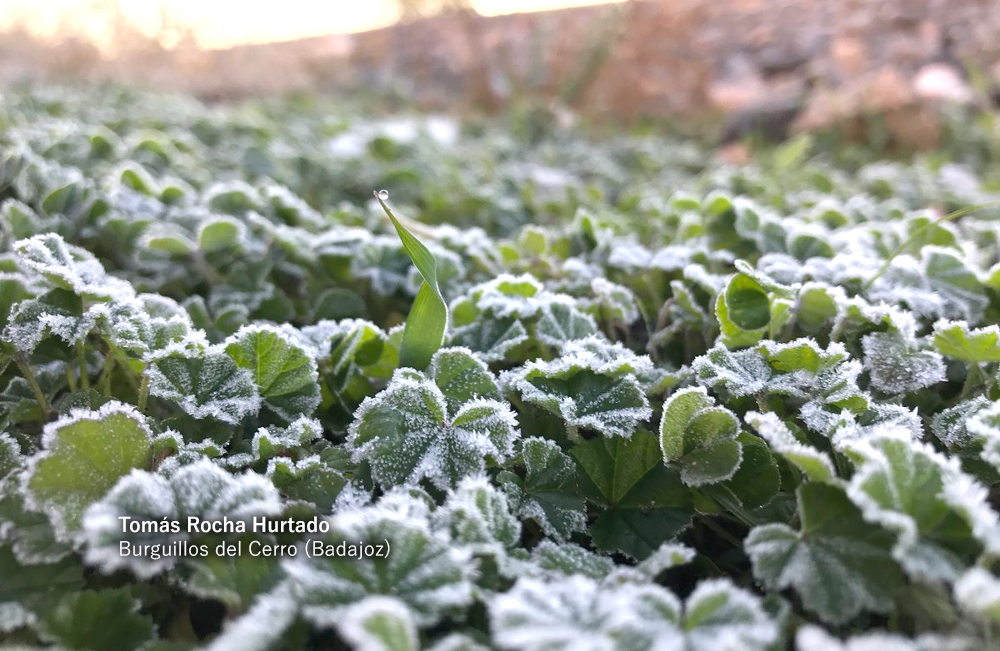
{"x":232,"y":580}
{"x":646,"y":501}
{"x":84,"y":454}
{"x":896,"y":366}
{"x":901,"y":485}
{"x":741,"y":373}
{"x":462,"y":377}
{"x":28,"y":533}
{"x":201,"y":490}
{"x":813,"y":463}
{"x":284,"y":373}
{"x":35,"y":586}
{"x":973,"y":346}
{"x":699,"y":437}
{"x":586,"y":391}
{"x":106,"y":620}
{"x":204,"y":382}
{"x":424,"y":571}
{"x":428,"y":318}
{"x":839,"y":564}
{"x":548,"y":493}
{"x":379,"y":624}
{"x":746,"y":303}
{"x":220,"y":233}
{"x":408,"y":433}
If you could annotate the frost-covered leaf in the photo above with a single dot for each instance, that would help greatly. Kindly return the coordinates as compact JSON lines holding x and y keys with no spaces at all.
{"x":153,"y":502}
{"x":813,"y":463}
{"x":203,"y":381}
{"x":837,"y":563}
{"x":576,"y":612}
{"x":566,"y":559}
{"x":106,"y":620}
{"x":586,"y":390}
{"x":741,"y":373}
{"x":896,"y":367}
{"x":978,"y":594}
{"x":477,"y":515}
{"x":232,"y":580}
{"x":491,"y":338}
{"x":899,"y":484}
{"x":699,"y":437}
{"x":27,"y":588}
{"x":379,"y":624}
{"x":562,"y":321}
{"x":408,"y":433}
{"x":70,"y":268}
{"x":84,"y":454}
{"x":10,"y":454}
{"x":462,"y":377}
{"x":814,"y":638}
{"x":548,"y":493}
{"x":284,"y":373}
{"x":421,"y":569}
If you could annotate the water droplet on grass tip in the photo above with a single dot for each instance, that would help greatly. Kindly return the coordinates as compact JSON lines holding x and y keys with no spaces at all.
{"x":383,"y":195}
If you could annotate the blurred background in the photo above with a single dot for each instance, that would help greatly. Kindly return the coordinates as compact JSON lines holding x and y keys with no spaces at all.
{"x":770,"y":67}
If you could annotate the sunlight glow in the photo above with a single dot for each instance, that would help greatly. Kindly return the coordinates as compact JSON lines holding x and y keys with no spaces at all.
{"x":224,"y":23}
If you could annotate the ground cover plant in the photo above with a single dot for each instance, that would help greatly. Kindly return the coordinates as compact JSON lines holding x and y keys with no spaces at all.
{"x":587,"y":394}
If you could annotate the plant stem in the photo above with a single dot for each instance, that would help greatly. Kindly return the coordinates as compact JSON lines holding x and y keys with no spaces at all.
{"x":29,"y":375}
{"x":81,"y":362}
{"x":104,"y":386}
{"x":70,"y":377}
{"x":143,"y":393}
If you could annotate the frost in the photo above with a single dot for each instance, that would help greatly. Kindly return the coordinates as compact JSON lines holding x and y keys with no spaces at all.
{"x":978,"y":594}
{"x":742,"y":373}
{"x":566,"y":559}
{"x":477,"y":515}
{"x":379,"y":624}
{"x":408,"y":433}
{"x":838,"y":564}
{"x":590,"y":386}
{"x":70,"y":267}
{"x":897,"y":367}
{"x":270,"y":442}
{"x":203,"y":381}
{"x":548,"y":492}
{"x":579,"y":613}
{"x":908,"y":488}
{"x":83,"y":455}
{"x":200,"y":489}
{"x":699,"y":437}
{"x":814,"y":463}
{"x":814,"y":638}
{"x":262,"y":625}
{"x":423,"y":570}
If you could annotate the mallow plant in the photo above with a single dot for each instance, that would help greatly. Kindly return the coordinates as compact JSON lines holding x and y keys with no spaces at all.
{"x":563,"y":394}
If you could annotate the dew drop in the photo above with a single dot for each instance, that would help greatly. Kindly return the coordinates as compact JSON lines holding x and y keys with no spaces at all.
{"x":382,"y":194}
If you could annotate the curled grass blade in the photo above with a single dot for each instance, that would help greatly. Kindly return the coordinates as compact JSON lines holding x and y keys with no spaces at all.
{"x":428,"y":318}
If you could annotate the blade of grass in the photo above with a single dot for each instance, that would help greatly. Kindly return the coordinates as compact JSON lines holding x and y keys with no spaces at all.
{"x":917,"y":233}
{"x":424,"y":331}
